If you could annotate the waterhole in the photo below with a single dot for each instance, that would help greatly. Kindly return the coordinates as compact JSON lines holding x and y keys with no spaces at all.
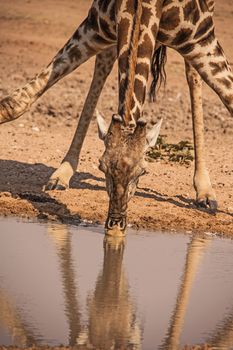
{"x":67,"y":285}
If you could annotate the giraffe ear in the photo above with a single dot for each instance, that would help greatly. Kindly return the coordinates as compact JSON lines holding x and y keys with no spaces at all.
{"x":152,"y":135}
{"x":102,"y":126}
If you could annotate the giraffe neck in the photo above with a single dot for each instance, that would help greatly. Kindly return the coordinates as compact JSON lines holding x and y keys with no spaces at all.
{"x":128,"y":25}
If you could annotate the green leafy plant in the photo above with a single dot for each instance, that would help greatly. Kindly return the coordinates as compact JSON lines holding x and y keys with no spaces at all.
{"x":181,"y":152}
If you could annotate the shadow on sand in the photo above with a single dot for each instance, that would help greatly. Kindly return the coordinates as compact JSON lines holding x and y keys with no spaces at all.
{"x":26,"y":181}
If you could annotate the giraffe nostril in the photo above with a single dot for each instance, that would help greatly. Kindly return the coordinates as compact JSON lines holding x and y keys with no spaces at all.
{"x":116,"y":222}
{"x":110,"y":223}
{"x":122,"y":224}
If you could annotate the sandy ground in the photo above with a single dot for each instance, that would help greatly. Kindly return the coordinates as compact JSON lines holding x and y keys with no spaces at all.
{"x":33,"y":146}
{"x":198,"y":347}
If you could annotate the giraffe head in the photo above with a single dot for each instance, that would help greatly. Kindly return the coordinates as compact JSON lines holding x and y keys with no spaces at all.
{"x":123,"y":163}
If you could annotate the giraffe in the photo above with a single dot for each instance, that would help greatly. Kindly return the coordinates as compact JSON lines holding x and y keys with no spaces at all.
{"x":222,"y":336}
{"x":20,"y":332}
{"x":111,"y":314}
{"x":112,"y":319}
{"x":61,"y":237}
{"x":111,"y":311}
{"x":186,"y":26}
{"x":196,"y":249}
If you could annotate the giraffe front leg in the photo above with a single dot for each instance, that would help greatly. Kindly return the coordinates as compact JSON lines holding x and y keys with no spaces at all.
{"x":205,"y":194}
{"x":86,"y":42}
{"x":61,"y":177}
{"x":208,"y":58}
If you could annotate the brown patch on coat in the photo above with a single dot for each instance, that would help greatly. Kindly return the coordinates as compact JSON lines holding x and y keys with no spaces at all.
{"x":170,"y":19}
{"x":191,"y":12}
{"x":218,"y":67}
{"x":203,"y":27}
{"x":227,"y":83}
{"x":182,"y":36}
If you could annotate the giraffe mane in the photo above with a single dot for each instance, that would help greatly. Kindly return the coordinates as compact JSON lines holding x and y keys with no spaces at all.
{"x":132,"y":60}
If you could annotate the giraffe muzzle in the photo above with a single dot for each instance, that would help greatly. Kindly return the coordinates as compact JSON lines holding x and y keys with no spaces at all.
{"x":115,"y":226}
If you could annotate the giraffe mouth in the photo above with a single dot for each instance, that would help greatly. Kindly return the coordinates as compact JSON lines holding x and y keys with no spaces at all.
{"x":115,"y":226}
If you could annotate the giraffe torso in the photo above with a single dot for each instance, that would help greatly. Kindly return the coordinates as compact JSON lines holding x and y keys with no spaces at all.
{"x":185,"y":23}
{"x":182,"y":22}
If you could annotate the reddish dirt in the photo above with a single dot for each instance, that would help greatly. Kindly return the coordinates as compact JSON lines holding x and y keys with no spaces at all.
{"x":187,"y":347}
{"x":34,"y":145}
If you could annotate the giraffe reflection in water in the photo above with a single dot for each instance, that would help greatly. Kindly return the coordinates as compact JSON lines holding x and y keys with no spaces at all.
{"x":112,"y":323}
{"x":21,"y":334}
{"x":196,"y":249}
{"x":62,"y":239}
{"x":223,"y":335}
{"x":112,"y":320}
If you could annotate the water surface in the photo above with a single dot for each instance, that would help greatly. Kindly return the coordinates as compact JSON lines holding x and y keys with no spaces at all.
{"x":65,"y":285}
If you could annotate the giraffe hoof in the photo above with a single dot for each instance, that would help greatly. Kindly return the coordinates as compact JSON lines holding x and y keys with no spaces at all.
{"x":213,"y":205}
{"x":55,"y":184}
{"x":208,"y":204}
{"x":60,"y":187}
